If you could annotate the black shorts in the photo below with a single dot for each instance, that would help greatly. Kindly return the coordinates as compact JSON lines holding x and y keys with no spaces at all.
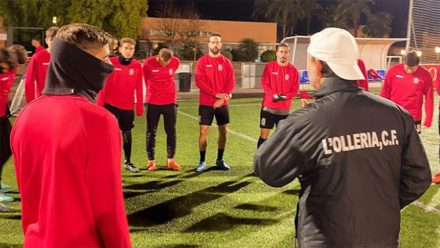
{"x":207,"y":113}
{"x":269,"y":120}
{"x":125,"y":117}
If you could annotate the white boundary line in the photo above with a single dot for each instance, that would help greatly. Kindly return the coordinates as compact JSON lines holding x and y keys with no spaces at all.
{"x":229,"y":105}
{"x":238,"y":134}
{"x":426,"y":207}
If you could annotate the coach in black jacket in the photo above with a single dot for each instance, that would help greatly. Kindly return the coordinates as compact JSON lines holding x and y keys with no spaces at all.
{"x":357,"y":156}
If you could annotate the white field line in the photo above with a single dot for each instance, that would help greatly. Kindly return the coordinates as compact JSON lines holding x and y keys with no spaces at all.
{"x":426,"y":207}
{"x":238,"y":134}
{"x":229,"y":105}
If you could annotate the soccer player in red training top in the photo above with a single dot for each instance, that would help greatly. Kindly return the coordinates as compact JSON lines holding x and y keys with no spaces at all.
{"x":161,"y":100}
{"x":9,"y":60}
{"x":67,"y":151}
{"x":280,"y":83}
{"x":436,"y":178}
{"x":36,"y":42}
{"x":37,"y":68}
{"x":409,"y":84}
{"x":215,"y":79}
{"x":363,"y":83}
{"x":118,"y":94}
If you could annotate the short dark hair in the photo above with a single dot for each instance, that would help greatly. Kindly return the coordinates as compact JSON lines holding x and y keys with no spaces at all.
{"x":127,"y":40}
{"x":52,"y":32}
{"x":84,"y":36}
{"x":282,"y":45}
{"x":326,"y":71}
{"x":214,"y":35}
{"x":19,"y":52}
{"x":165,"y":54}
{"x":411,"y":58}
{"x":7,"y":58}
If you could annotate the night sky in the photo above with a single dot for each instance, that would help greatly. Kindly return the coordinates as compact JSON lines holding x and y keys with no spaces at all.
{"x":241,"y":10}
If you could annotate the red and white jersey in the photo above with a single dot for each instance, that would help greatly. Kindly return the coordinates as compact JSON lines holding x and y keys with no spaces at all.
{"x":67,"y":155}
{"x":36,"y":75}
{"x":122,"y":85}
{"x":6,"y":80}
{"x":159,"y":81}
{"x":214,"y":76}
{"x":410,"y":91}
{"x":278,"y":79}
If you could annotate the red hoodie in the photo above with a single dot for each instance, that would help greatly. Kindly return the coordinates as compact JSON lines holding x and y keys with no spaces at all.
{"x":278,"y":79}
{"x":67,"y":161}
{"x":214,"y":76}
{"x":36,"y":75}
{"x":408,"y":90}
{"x":159,"y":81}
{"x":363,"y":83}
{"x":120,"y":87}
{"x":6,"y":80}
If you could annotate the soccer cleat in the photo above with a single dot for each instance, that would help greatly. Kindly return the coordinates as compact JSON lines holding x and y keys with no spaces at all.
{"x":151,"y":166}
{"x":221,"y":165}
{"x":5,"y":188}
{"x":436,"y":179}
{"x":201,"y":166}
{"x":130,"y":166}
{"x":5,"y":198}
{"x":173,"y":165}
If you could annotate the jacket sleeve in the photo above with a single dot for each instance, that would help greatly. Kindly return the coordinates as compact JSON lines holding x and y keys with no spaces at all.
{"x":201,"y":79}
{"x":265,"y":82}
{"x":295,"y":84}
{"x":415,"y":175}
{"x":139,"y":93}
{"x":277,"y":161}
{"x":230,"y":78}
{"x":5,"y":87}
{"x":386,"y":87}
{"x":429,"y":101}
{"x":437,"y":80}
{"x":29,"y":82}
{"x":103,"y":179}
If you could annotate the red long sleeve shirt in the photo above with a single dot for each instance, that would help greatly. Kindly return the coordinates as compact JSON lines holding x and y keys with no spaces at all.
{"x":6,"y":80}
{"x":122,"y":85}
{"x":409,"y":91}
{"x":159,"y":81}
{"x":278,"y":79}
{"x":36,"y":75}
{"x":214,"y":76}
{"x":363,"y":83}
{"x":67,"y":161}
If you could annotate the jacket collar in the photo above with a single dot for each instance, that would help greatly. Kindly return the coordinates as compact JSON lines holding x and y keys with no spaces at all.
{"x":334,"y":84}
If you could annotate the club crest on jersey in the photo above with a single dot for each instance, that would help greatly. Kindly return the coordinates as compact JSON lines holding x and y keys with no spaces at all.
{"x":220,"y":67}
{"x":416,"y":80}
{"x":170,"y":71}
{"x":131,"y":72}
{"x":286,"y":77}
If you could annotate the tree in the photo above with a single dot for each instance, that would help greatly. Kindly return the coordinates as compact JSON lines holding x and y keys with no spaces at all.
{"x":247,"y":50}
{"x":378,"y":25}
{"x":351,"y":11}
{"x":285,"y":12}
{"x":310,"y":8}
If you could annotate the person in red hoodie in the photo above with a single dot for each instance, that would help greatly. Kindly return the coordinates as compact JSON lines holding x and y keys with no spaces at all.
{"x":37,"y":68}
{"x":36,"y":42}
{"x":9,"y":60}
{"x":67,"y":150}
{"x":280,"y":83}
{"x":159,"y":74}
{"x":215,"y":79}
{"x":363,"y":83}
{"x":118,"y":94}
{"x":436,"y":178}
{"x":409,"y":85}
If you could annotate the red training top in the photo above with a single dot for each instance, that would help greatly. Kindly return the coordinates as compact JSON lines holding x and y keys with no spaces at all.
{"x":67,"y":163}
{"x":363,"y":83}
{"x":6,"y":80}
{"x":278,"y":79}
{"x":121,"y":86}
{"x":36,"y":75}
{"x":159,"y":81}
{"x":408,"y":91}
{"x":214,"y":76}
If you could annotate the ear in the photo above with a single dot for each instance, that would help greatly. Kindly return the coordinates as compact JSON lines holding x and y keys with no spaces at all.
{"x":319,"y":66}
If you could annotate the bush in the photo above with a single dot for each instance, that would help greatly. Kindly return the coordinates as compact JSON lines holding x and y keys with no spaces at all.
{"x":268,"y":56}
{"x":187,"y":51}
{"x":227,"y":54}
{"x":247,"y":50}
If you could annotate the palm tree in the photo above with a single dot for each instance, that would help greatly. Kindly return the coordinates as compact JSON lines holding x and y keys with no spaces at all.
{"x":352,"y":10}
{"x":284,"y":12}
{"x":378,"y":25}
{"x":310,"y":8}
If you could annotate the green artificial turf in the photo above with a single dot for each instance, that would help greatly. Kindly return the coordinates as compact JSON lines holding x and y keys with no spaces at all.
{"x":216,"y":208}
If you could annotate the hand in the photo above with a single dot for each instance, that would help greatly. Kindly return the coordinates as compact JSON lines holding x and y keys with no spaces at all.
{"x":279,"y":97}
{"x":218,"y":103}
{"x":223,"y":96}
{"x":304,"y":102}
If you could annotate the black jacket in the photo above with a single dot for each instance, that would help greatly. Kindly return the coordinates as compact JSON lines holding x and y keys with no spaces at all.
{"x":359,"y":160}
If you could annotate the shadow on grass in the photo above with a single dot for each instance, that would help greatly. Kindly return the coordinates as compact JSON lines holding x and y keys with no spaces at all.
{"x":178,"y":246}
{"x":255,"y":207}
{"x":222,"y":222}
{"x":10,"y":245}
{"x":181,"y":206}
{"x":10,"y":217}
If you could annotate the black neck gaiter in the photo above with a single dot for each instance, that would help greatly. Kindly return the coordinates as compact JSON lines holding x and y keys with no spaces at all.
{"x":74,"y":71}
{"x":124,"y":61}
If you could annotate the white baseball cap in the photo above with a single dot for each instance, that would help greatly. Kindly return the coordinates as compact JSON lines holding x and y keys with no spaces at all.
{"x":339,"y":50}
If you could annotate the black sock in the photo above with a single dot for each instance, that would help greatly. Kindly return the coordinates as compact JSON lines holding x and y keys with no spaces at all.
{"x":202,"y":156}
{"x":126,"y":137}
{"x":260,"y":141}
{"x":220,"y":154}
